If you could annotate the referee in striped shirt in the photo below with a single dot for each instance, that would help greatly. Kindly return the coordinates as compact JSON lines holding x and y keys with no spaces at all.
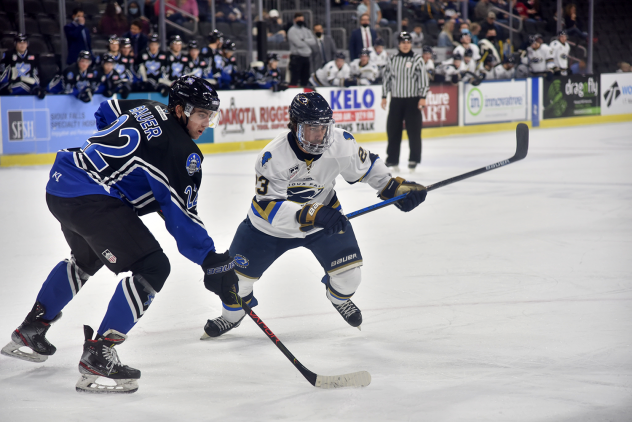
{"x":406,"y":79}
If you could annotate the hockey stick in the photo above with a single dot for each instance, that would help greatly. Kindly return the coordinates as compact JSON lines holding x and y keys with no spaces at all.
{"x":522,"y":147}
{"x":354,"y":379}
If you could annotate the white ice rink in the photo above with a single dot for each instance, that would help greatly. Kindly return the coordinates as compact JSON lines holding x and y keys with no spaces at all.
{"x":505,"y":297}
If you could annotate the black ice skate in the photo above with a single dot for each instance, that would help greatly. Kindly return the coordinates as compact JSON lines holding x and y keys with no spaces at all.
{"x":100,"y":359}
{"x":350,"y":313}
{"x":32,"y":334}
{"x":218,"y":326}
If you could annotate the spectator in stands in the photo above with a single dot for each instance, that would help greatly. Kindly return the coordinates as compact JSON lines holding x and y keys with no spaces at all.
{"x":275,"y":27}
{"x":475,"y":29}
{"x":325,"y":50}
{"x":432,"y":11}
{"x":137,"y":37}
{"x":573,"y":26}
{"x":365,"y":7}
{"x":389,"y":11}
{"x":113,"y":20}
{"x":533,"y":10}
{"x":226,"y":11}
{"x":134,"y":14}
{"x":77,"y":36}
{"x":491,"y":23}
{"x":362,"y":37}
{"x":418,"y":35}
{"x":624,"y":67}
{"x":21,"y":69}
{"x":445,"y":37}
{"x":189,"y":6}
{"x":481,"y":11}
{"x":579,"y":68}
{"x":301,"y":42}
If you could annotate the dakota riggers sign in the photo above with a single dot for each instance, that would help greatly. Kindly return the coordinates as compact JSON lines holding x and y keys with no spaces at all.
{"x":569,"y":96}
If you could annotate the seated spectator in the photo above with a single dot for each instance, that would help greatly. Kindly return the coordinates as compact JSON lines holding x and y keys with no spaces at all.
{"x":78,"y":79}
{"x":134,"y":14}
{"x":113,"y":21}
{"x":432,"y":11}
{"x":226,"y":11}
{"x":573,"y":26}
{"x":533,"y":10}
{"x":20,"y":75}
{"x":389,"y":11}
{"x":77,"y":36}
{"x":481,"y":11}
{"x":624,"y":67}
{"x":475,"y":29}
{"x":136,"y":37}
{"x":445,"y":37}
{"x":333,"y":73}
{"x":365,"y":7}
{"x":275,"y":27}
{"x":189,"y":6}
{"x":491,"y":23}
{"x":417,"y":35}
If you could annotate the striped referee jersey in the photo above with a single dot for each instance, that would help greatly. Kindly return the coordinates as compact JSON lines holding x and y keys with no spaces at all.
{"x":405,"y":76}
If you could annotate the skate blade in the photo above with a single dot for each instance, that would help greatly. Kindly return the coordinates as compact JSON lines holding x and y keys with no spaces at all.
{"x":205,"y":336}
{"x":89,"y":384}
{"x":13,"y":350}
{"x":359,"y":327}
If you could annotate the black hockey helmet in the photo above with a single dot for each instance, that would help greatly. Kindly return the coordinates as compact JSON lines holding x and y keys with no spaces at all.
{"x":365,"y":52}
{"x":113,"y":39}
{"x":108,"y":58}
{"x":404,"y":36}
{"x":379,"y":41}
{"x":125,"y":42}
{"x":308,"y":111}
{"x":229,"y":45}
{"x":214,"y":36}
{"x":84,"y":54}
{"x":340,"y":55}
{"x":193,"y":44}
{"x":533,"y":39}
{"x":272,"y":56}
{"x":175,"y":39}
{"x":154,"y":38}
{"x":489,"y":59}
{"x":457,"y":56}
{"x":509,"y":59}
{"x":427,"y":49}
{"x":19,"y":38}
{"x":562,"y":32}
{"x":468,"y":53}
{"x":191,"y":92}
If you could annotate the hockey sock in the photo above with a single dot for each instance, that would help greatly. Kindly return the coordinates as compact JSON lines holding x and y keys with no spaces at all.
{"x":341,"y":286}
{"x":61,"y":286}
{"x":233,"y":313}
{"x":132,"y":297}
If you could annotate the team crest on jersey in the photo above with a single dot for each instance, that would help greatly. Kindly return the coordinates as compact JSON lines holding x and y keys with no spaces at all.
{"x":303,"y":191}
{"x":293,"y":171}
{"x":109,"y":256}
{"x":241,"y":261}
{"x":190,"y":81}
{"x":267,"y":156}
{"x":193,"y":164}
{"x":347,"y":136}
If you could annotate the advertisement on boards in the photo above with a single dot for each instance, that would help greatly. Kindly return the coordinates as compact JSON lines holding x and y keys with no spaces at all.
{"x":496,"y":102}
{"x":616,"y":93}
{"x":570,"y":96}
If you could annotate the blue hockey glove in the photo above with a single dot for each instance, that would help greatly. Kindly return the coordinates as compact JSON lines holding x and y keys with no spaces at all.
{"x":398,"y":186}
{"x":220,"y":277}
{"x":318,"y":215}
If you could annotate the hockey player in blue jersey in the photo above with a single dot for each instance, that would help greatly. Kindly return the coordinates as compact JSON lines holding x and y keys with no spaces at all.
{"x":19,"y":70}
{"x":295,"y":205}
{"x":142,"y":159}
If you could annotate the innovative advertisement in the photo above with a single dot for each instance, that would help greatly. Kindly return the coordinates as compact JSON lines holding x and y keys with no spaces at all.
{"x":496,"y":102}
{"x":616,"y":93}
{"x":570,"y":96}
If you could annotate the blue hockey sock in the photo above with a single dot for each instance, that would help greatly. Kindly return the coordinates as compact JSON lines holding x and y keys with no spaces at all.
{"x":61,"y":286}
{"x":132,"y":297}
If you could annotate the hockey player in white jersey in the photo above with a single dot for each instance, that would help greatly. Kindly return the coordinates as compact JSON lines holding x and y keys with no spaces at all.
{"x":295,"y":205}
{"x":537,"y":58}
{"x":378,"y":56}
{"x":485,"y":70}
{"x":560,"y":50}
{"x":362,"y":71}
{"x":466,"y":44}
{"x":468,"y":74}
{"x":333,"y":73}
{"x":427,"y":56}
{"x":505,"y":70}
{"x":451,"y":69}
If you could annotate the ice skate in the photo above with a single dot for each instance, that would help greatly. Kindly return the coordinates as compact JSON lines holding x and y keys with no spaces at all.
{"x":100,"y":359}
{"x":412,"y":165}
{"x":32,"y":334}
{"x":350,"y":312}
{"x":218,"y":326}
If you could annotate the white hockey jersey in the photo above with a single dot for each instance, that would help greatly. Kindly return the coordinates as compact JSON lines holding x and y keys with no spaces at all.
{"x":448,"y":69}
{"x":430,"y":69}
{"x":330,"y":75}
{"x":366,"y":74}
{"x":476,"y":54}
{"x":288,"y":178}
{"x":379,"y":59}
{"x":501,"y":73}
{"x":559,"y":53}
{"x":538,"y":61}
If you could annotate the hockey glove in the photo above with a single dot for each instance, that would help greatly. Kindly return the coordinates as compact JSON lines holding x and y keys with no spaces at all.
{"x":398,"y":186}
{"x":318,"y":215}
{"x":220,"y":277}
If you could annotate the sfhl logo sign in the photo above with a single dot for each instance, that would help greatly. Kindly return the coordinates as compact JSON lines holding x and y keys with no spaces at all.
{"x":20,"y":130}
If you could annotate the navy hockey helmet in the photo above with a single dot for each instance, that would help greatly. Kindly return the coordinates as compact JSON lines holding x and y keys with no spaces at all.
{"x":468,"y":53}
{"x":457,"y":56}
{"x":108,"y":58}
{"x":509,"y":59}
{"x":125,"y":42}
{"x":191,"y":92}
{"x":84,"y":54}
{"x":365,"y":52}
{"x":214,"y":36}
{"x":193,"y":44}
{"x":20,"y":38}
{"x":533,"y":39}
{"x":113,"y":39}
{"x":154,"y":38}
{"x":562,"y":33}
{"x":340,"y":55}
{"x":229,"y":45}
{"x":272,"y":56}
{"x":312,"y":121}
{"x":489,"y":59}
{"x":427,"y":49}
{"x":175,"y":39}
{"x":379,"y":41}
{"x":404,"y":36}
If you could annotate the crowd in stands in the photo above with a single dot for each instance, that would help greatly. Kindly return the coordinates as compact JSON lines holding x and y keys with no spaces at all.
{"x":482,"y":47}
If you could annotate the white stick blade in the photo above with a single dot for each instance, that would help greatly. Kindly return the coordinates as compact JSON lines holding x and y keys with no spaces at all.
{"x":355,"y":379}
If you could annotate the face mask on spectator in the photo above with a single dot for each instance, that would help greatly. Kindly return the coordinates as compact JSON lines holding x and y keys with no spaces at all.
{"x":491,"y":38}
{"x":133,"y":10}
{"x":318,"y":34}
{"x":300,"y":23}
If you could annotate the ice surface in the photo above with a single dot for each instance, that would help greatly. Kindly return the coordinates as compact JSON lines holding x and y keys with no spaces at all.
{"x":505,"y":297}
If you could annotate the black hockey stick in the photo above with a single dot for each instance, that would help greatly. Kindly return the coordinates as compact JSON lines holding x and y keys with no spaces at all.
{"x":355,"y":379}
{"x":522,"y":147}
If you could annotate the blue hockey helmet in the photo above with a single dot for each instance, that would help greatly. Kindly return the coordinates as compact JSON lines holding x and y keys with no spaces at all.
{"x":191,"y":92}
{"x":312,"y":121}
{"x":379,"y":41}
